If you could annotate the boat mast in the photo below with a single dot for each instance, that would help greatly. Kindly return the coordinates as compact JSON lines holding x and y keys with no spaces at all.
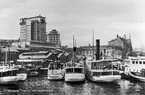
{"x":6,"y":56}
{"x":93,"y":44}
{"x":73,"y":52}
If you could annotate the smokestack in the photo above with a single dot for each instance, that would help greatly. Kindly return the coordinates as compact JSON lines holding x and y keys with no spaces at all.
{"x":97,"y":49}
{"x":124,"y":36}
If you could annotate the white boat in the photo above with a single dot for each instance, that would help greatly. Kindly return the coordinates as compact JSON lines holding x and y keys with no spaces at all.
{"x":74,"y":74}
{"x":102,"y":71}
{"x":8,"y":75}
{"x":32,"y":66}
{"x":137,"y":76}
{"x":135,"y":68}
{"x":22,"y":74}
{"x":55,"y":71}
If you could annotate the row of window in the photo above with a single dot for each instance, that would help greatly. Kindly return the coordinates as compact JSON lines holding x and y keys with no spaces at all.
{"x":54,"y":39}
{"x":138,"y":62}
{"x":90,"y":52}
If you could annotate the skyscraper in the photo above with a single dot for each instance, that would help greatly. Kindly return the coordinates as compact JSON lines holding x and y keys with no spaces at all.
{"x":54,"y":37}
{"x":33,"y":29}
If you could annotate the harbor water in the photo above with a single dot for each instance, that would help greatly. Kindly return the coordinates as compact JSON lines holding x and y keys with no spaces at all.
{"x":42,"y":86}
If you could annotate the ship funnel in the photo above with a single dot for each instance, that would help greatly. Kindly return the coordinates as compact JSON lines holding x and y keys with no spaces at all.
{"x":97,"y":49}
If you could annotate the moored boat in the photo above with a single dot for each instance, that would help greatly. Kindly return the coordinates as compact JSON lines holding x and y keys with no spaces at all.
{"x":75,"y":71}
{"x":137,"y":76}
{"x":8,"y":75}
{"x":32,"y":66}
{"x":22,"y":74}
{"x":135,"y":68}
{"x":102,"y":71}
{"x":55,"y":71}
{"x":74,"y":74}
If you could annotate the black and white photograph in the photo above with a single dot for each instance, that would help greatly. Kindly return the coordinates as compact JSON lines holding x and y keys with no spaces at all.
{"x":72,"y":47}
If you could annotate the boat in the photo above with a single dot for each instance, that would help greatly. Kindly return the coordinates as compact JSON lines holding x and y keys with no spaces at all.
{"x":75,"y":71}
{"x":55,"y":71}
{"x":32,"y":66}
{"x":19,"y":70}
{"x":137,"y":76}
{"x":102,"y":70}
{"x":22,"y":74}
{"x":135,"y":68}
{"x":32,"y":71}
{"x":74,"y":74}
{"x":8,"y":74}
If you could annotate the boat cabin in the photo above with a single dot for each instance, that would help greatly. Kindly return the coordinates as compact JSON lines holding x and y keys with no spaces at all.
{"x":135,"y":64}
{"x":104,"y":64}
{"x":74,"y":70}
{"x":10,"y":72}
{"x":55,"y":65}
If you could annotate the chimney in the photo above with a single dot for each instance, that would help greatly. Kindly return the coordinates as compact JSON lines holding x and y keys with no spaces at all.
{"x":130,"y":36}
{"x":97,"y":49}
{"x":117,"y":36}
{"x":124,"y":36}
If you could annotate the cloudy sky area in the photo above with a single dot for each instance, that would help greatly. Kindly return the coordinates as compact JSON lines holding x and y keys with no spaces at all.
{"x":79,"y":17}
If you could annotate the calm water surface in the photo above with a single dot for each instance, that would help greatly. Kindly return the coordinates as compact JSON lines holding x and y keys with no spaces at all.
{"x":42,"y":86}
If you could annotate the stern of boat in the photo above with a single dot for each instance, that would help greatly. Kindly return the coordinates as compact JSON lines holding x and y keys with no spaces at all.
{"x":74,"y":77}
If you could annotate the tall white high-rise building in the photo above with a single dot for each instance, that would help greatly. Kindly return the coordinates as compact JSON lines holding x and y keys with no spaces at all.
{"x":33,"y":29}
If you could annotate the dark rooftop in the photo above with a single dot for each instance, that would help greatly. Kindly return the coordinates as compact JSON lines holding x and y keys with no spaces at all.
{"x":33,"y":17}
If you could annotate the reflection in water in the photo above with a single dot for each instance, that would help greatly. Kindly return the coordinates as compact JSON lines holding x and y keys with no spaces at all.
{"x":101,"y":88}
{"x":73,"y":88}
{"x":42,"y":86}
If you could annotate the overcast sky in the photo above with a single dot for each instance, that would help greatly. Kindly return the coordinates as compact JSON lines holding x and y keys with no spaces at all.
{"x":79,"y":17}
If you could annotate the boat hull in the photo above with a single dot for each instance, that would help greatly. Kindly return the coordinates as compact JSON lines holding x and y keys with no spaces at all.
{"x":32,"y":73}
{"x":137,"y":78}
{"x":109,"y":78}
{"x":104,"y":78}
{"x":74,"y":77}
{"x":9,"y":80}
{"x":55,"y":77}
{"x":22,"y":76}
{"x":55,"y":74}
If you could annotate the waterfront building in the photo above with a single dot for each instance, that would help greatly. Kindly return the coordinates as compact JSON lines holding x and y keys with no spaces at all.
{"x":7,"y":42}
{"x":35,"y":46}
{"x":53,"y":37}
{"x":12,"y":53}
{"x":125,"y":43}
{"x":33,"y":29}
{"x":138,"y":52}
{"x":5,"y":45}
{"x":106,"y":51}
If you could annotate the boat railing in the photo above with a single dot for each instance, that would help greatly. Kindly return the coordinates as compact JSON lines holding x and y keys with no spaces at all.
{"x":105,"y":73}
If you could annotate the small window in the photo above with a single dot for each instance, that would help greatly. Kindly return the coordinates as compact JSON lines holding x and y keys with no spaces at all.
{"x":136,"y":62}
{"x":140,"y":62}
{"x":144,"y":62}
{"x":133,"y":62}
